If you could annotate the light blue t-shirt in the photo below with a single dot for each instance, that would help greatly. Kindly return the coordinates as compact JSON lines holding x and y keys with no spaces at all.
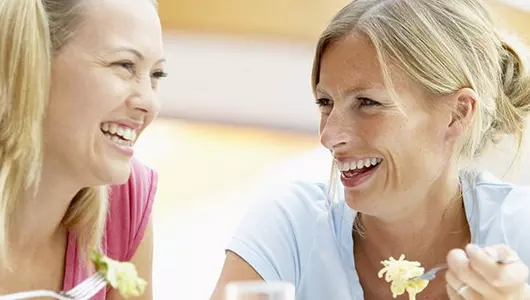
{"x":290,"y":234}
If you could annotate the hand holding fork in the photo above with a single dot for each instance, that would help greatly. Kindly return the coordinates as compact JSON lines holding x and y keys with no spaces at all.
{"x":494,"y":272}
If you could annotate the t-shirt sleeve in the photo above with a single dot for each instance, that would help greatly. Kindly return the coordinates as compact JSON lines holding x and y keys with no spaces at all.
{"x":277,"y":233}
{"x":130,"y":210}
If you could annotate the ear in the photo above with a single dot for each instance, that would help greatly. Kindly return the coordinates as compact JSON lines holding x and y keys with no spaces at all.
{"x":463,"y":105}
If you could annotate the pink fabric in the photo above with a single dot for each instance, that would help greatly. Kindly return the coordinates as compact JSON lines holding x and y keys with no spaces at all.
{"x":129,"y":211}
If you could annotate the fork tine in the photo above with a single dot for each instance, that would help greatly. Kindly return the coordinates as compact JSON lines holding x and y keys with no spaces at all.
{"x":86,"y":282}
{"x":92,"y":284}
{"x":90,"y":291}
{"x":87,"y":287}
{"x":431,"y":274}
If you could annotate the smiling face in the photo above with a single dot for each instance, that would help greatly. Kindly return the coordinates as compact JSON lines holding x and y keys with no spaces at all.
{"x":103,"y":89}
{"x":387,"y":151}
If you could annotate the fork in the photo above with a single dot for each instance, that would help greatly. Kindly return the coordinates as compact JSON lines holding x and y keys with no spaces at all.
{"x":431,"y":274}
{"x":83,"y":291}
{"x":88,"y":288}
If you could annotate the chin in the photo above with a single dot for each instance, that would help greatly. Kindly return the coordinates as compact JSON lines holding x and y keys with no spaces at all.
{"x":114,"y":172}
{"x":359,"y":203}
{"x":367,"y":201}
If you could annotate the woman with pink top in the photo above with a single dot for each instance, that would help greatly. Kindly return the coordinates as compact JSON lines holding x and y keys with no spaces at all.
{"x":77,"y":87}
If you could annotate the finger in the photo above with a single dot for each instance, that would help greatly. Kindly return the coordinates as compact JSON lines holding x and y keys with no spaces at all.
{"x":459,"y":266}
{"x":502,"y":252}
{"x":458,"y":289}
{"x":483,"y":261}
{"x":504,"y":278}
{"x":453,"y":295}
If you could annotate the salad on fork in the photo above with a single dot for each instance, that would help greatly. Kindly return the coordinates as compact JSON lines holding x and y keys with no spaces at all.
{"x":402,"y":274}
{"x":122,"y":276}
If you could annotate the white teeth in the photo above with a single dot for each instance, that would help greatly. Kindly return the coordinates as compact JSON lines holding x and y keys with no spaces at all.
{"x":114,"y":130}
{"x":129,"y":134}
{"x":359,"y":164}
{"x":367,"y":162}
{"x":118,"y":140}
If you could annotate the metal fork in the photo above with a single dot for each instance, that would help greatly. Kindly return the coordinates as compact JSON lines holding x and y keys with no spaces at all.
{"x":83,"y":291}
{"x":431,"y":274}
{"x":88,"y":288}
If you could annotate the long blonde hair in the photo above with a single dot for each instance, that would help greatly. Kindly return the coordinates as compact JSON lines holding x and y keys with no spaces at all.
{"x":444,"y":45}
{"x":31,"y":33}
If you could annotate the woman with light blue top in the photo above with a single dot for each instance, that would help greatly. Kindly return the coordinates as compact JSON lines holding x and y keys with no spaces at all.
{"x":409,"y":91}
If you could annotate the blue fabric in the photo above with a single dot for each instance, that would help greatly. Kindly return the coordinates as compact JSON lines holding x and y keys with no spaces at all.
{"x":292,"y":234}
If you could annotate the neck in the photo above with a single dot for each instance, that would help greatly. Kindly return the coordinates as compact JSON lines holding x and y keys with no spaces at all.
{"x":425,"y":232}
{"x":38,"y":217}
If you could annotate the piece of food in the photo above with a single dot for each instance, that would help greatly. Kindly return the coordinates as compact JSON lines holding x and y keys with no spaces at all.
{"x":120,"y":275}
{"x":401,"y":273}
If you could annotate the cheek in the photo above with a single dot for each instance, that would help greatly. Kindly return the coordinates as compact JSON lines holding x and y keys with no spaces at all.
{"x":380,"y":132}
{"x":77,"y":106}
{"x":418,"y":148}
{"x":405,"y":136}
{"x":86,"y":96}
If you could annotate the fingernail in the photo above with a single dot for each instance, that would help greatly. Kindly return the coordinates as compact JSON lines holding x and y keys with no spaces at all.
{"x":472,"y":248}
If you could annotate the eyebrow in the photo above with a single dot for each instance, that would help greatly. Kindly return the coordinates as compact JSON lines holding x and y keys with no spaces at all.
{"x":351,"y":91}
{"x":135,"y":53}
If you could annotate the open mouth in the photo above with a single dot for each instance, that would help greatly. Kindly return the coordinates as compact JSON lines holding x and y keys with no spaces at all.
{"x":356,"y":168}
{"x":121,"y":135}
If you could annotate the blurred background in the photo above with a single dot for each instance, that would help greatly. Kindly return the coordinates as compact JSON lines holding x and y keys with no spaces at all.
{"x":237,"y":111}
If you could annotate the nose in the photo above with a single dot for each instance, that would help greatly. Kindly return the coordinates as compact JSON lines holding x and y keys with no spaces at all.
{"x":144,"y":100}
{"x":334,"y":134}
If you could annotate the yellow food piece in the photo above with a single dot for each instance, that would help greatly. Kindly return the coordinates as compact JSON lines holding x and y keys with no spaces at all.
{"x":120,"y":275}
{"x":400,"y":273}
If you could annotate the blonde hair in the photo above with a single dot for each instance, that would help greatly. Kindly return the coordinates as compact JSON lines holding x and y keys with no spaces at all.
{"x":31,"y":33}
{"x":444,"y":46}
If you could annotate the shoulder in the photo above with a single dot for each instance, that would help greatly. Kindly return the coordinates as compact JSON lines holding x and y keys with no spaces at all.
{"x":493,"y":197}
{"x":130,"y":207}
{"x":501,"y":212}
{"x":294,"y":208}
{"x":278,"y":230}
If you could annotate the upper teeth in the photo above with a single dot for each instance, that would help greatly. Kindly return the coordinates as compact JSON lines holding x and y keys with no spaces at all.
{"x":359,"y":164}
{"x":125,"y":132}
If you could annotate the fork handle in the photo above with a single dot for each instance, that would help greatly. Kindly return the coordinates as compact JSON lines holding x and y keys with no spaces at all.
{"x":34,"y":294}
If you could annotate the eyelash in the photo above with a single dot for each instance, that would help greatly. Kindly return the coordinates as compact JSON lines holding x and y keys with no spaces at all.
{"x":159,"y":74}
{"x":322,"y":102}
{"x":367,"y":102}
{"x":130,"y":66}
{"x":363,"y":102}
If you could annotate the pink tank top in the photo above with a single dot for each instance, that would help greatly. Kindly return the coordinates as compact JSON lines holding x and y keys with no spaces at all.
{"x":129,"y":211}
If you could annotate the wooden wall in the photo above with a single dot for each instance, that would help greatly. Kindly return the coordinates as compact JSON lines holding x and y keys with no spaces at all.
{"x":290,"y":19}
